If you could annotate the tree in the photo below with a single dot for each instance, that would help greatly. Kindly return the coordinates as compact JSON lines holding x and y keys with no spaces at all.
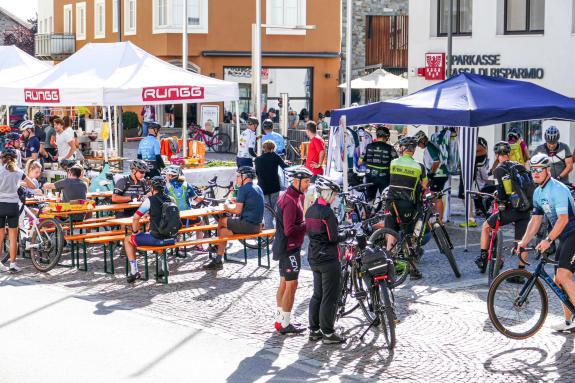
{"x":22,"y":37}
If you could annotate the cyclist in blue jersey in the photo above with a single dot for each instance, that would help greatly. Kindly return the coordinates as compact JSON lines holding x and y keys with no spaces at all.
{"x":270,"y":135}
{"x":553,"y":200}
{"x":149,"y":150}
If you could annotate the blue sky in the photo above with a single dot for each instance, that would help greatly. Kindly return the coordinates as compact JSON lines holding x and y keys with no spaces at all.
{"x":25,"y":9}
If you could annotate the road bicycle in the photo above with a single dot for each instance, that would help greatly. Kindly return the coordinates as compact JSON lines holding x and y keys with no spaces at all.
{"x":42,"y":239}
{"x":218,"y":141}
{"x":407,"y":249}
{"x":518,"y":311}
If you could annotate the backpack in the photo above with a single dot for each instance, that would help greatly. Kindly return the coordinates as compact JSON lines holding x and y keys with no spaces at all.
{"x":170,"y":223}
{"x":523,"y":187}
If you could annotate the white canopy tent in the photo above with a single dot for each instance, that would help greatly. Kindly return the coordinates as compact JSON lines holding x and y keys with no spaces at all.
{"x":379,"y":79}
{"x":109,"y":74}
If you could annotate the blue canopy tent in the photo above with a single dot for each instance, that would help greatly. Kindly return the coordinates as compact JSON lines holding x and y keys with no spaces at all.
{"x":469,"y":101}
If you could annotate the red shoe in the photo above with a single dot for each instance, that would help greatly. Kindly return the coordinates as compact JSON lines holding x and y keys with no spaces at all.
{"x":278,"y":326}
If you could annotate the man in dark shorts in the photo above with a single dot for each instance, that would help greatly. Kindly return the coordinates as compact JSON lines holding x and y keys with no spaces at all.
{"x":290,"y":233}
{"x":132,"y":187}
{"x":250,"y":208}
{"x":507,"y":214}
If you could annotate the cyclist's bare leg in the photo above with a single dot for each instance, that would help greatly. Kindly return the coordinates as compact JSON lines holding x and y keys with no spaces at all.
{"x":281,"y":291}
{"x":485,"y":231}
{"x":564,"y":278}
{"x":289,"y":295}
{"x":439,"y":209}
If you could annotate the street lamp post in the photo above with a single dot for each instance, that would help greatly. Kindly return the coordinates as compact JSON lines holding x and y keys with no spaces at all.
{"x":185,"y":66}
{"x":120,"y":125}
{"x":449,"y":38}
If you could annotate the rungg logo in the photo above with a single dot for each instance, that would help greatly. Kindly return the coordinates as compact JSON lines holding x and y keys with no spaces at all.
{"x":42,"y":95}
{"x":172,"y":93}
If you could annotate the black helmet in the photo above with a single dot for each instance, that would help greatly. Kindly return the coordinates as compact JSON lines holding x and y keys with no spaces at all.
{"x":158,"y":183}
{"x":247,"y":172}
{"x":513,"y":132}
{"x":154,"y":125}
{"x":13,"y":136}
{"x":320,"y":116}
{"x":299,"y":172}
{"x":502,"y":148}
{"x":408,"y":142}
{"x":268,"y":124}
{"x":420,"y":136}
{"x":382,"y":131}
{"x":253,"y":121}
{"x":139,"y":165}
{"x":482,"y":142}
{"x":9,"y":152}
{"x":39,"y":117}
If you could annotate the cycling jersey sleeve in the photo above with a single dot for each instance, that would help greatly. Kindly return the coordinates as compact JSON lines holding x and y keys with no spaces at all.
{"x":561,"y":201}
{"x":120,"y":187}
{"x":393,"y":154}
{"x":331,"y":228}
{"x":191,"y":193}
{"x":157,"y":151}
{"x":144,"y":208}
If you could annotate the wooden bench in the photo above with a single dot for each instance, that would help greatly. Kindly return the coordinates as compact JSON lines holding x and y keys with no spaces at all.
{"x":109,"y":238}
{"x":267,"y":234}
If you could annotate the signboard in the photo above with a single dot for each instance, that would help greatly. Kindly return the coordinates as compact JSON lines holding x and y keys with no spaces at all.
{"x":435,"y":66}
{"x":210,"y":114}
{"x":172,"y":93}
{"x":244,"y":74}
{"x":490,"y":65}
{"x":42,"y":96}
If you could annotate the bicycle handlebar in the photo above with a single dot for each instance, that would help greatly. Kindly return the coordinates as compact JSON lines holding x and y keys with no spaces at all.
{"x":540,"y":254}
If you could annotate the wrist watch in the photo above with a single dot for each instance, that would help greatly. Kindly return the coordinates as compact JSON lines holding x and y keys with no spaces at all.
{"x":548,"y":239}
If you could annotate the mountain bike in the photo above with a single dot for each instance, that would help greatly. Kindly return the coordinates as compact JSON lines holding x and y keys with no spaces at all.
{"x":495,"y":257}
{"x":217,"y":141}
{"x":407,"y":249}
{"x":519,"y":311}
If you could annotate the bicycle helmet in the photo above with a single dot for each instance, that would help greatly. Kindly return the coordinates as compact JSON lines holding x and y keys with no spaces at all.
{"x":298,"y":172}
{"x":540,"y":160}
{"x":382,"y":131}
{"x":172,"y":170}
{"x":268,"y":124}
{"x":502,"y":148}
{"x":552,"y":135}
{"x":26,"y":125}
{"x":513,"y":133}
{"x":9,"y":152}
{"x":324,"y":183}
{"x":247,"y":172}
{"x":482,"y":142}
{"x":408,"y":142}
{"x":39,"y":117}
{"x":139,"y":165}
{"x":154,"y":125}
{"x":13,"y":136}
{"x":253,"y":121}
{"x":158,"y":183}
{"x":420,"y":136}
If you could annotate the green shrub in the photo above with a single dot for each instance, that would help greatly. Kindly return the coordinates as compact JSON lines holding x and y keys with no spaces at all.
{"x":130,"y":120}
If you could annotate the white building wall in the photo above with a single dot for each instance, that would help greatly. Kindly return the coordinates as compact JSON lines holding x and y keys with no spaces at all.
{"x":554,"y":50}
{"x":46,"y":16}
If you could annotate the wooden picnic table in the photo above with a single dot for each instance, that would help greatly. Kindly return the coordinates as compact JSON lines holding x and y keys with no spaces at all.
{"x":96,"y":209}
{"x":91,"y":195}
{"x":185,"y":214}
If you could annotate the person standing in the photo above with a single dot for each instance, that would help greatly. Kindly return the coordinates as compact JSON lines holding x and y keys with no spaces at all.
{"x":315,"y":151}
{"x":290,"y":232}
{"x":269,"y":134}
{"x":377,"y":158}
{"x":65,"y":141}
{"x":148,"y":114}
{"x":169,"y":115}
{"x":31,"y":142}
{"x":267,"y":170}
{"x":247,"y":146}
{"x":323,"y":256}
{"x":50,"y":147}
{"x":40,"y":133}
{"x":559,"y":154}
{"x":435,"y":167}
{"x":149,"y":150}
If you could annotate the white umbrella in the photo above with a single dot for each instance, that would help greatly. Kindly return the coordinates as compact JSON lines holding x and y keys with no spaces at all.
{"x":379,"y":79}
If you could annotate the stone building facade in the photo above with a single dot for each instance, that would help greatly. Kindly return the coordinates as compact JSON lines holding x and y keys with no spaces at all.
{"x":8,"y":22}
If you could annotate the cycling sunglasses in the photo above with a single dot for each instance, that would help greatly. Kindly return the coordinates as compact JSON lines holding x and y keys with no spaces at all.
{"x":537,"y":170}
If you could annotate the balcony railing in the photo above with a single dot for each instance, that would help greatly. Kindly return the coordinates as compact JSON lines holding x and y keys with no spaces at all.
{"x":55,"y":46}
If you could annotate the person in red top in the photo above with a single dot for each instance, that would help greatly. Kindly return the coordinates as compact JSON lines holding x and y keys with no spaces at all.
{"x":315,"y":151}
{"x":290,"y":232}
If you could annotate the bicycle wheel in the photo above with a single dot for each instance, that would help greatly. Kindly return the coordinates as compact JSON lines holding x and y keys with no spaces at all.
{"x":382,"y":239}
{"x":510,"y":317}
{"x":344,"y":303}
{"x":253,"y":243}
{"x":440,"y":236}
{"x":46,"y":244}
{"x":496,"y":263}
{"x":365,"y":301}
{"x":386,"y":313}
{"x":221,"y":143}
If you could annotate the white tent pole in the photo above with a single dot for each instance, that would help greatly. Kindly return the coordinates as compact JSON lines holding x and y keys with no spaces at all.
{"x":110,"y":127}
{"x":343,"y":127}
{"x":8,"y":115}
{"x":185,"y":66}
{"x":237,"y":107}
{"x":117,"y":127}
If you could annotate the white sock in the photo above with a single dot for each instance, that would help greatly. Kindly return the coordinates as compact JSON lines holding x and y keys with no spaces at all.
{"x":12,"y":264}
{"x":286,"y":318}
{"x":133,"y":267}
{"x":279,"y":314}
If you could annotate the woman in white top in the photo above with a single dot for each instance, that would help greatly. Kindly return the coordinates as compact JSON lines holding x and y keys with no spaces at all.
{"x":10,"y":178}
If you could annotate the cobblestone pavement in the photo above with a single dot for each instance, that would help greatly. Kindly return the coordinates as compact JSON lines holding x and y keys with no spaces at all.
{"x":444,"y":334}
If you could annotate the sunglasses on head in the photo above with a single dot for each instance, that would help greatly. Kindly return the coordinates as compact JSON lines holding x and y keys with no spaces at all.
{"x":537,"y":170}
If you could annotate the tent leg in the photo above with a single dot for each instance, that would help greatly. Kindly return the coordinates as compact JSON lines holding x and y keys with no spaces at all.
{"x":237,"y":137}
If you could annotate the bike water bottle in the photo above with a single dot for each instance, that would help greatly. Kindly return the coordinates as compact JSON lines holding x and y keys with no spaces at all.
{"x":417,"y":228}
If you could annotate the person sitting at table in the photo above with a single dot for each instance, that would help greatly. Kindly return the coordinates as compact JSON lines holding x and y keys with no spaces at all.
{"x":131,"y":187}
{"x":71,"y":189}
{"x":183,"y":195}
{"x":153,"y":206}
{"x":250,"y":208}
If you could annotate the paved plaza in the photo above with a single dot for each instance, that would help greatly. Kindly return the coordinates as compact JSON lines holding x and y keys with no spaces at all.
{"x":226,"y":318}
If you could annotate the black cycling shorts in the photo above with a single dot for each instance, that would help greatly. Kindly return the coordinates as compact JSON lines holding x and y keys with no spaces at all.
{"x":436,"y":184}
{"x":237,"y":226}
{"x":520,"y":218}
{"x":9,"y":213}
{"x":404,"y":211}
{"x":566,"y":253}
{"x":290,"y":265}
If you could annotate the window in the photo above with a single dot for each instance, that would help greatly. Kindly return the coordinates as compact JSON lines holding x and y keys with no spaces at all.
{"x":288,"y":13}
{"x":462,"y":17}
{"x":67,"y":19}
{"x":130,"y":15}
{"x":531,"y":132}
{"x":524,"y":16}
{"x":168,"y":16}
{"x":115,"y":16}
{"x":81,"y":21}
{"x":48,"y":26}
{"x":99,"y":19}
